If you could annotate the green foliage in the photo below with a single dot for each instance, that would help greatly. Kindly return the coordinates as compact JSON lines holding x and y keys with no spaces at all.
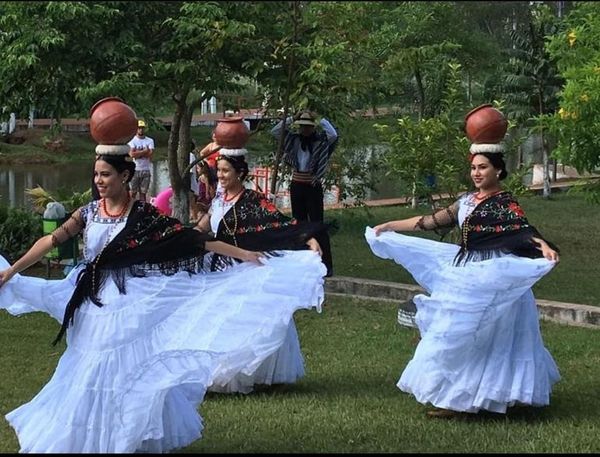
{"x":577,"y":123}
{"x":19,"y":229}
{"x":588,"y":189}
{"x":48,"y":51}
{"x":433,"y":147}
{"x":70,"y":200}
{"x":514,"y":181}
{"x":529,"y":82}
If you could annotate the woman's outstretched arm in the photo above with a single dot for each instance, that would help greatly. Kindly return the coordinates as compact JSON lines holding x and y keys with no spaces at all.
{"x":229,"y":250}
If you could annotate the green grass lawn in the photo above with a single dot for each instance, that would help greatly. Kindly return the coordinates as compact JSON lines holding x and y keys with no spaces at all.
{"x":348,"y":402}
{"x":567,"y":220}
{"x":77,"y":146}
{"x":355,"y":352}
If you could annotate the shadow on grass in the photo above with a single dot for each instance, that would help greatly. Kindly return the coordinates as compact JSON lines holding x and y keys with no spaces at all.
{"x":325,"y":387}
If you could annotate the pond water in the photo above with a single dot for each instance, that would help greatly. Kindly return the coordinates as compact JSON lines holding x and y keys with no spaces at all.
{"x":77,"y":177}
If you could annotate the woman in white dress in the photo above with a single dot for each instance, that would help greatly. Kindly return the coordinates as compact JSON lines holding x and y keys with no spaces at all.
{"x":147,"y":328}
{"x":247,"y":219}
{"x":480,"y":347}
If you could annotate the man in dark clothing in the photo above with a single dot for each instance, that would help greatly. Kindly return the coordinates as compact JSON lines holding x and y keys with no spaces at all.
{"x":307,"y":153}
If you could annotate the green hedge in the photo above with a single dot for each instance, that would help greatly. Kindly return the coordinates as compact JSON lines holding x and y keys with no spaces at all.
{"x":19,"y":229}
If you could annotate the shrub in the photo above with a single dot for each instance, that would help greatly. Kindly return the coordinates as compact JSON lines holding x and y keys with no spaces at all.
{"x":19,"y":229}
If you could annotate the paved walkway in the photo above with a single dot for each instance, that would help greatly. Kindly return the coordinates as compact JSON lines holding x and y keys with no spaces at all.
{"x":559,"y":185}
{"x":402,"y":294}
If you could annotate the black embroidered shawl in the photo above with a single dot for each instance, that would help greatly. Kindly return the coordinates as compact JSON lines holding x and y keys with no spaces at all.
{"x":254,"y":223}
{"x":498,"y":224}
{"x":149,"y":241}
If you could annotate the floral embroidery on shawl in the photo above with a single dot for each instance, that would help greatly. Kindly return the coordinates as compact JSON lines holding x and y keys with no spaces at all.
{"x":255,"y":223}
{"x":498,"y":225}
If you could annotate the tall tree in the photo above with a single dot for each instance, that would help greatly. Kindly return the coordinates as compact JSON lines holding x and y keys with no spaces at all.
{"x":48,"y":50}
{"x":530,"y":81}
{"x":577,"y":122}
{"x":182,"y":51}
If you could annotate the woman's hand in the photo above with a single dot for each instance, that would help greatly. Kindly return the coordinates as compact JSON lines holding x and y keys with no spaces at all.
{"x":547,"y":251}
{"x":253,"y":257}
{"x":314,"y":246}
{"x":5,"y":275}
{"x":385,"y":227}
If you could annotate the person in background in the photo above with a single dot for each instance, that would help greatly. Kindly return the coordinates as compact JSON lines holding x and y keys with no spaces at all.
{"x":207,"y":187}
{"x":308,"y":152}
{"x":141,"y":149}
{"x":209,"y":153}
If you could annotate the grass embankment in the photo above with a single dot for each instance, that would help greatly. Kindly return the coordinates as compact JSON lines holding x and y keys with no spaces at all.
{"x":567,"y":220}
{"x":78,"y":145}
{"x":347,"y":402}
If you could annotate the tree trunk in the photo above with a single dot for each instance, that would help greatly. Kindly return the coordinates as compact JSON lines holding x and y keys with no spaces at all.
{"x":178,"y":146}
{"x":182,"y":190}
{"x":469,"y":88}
{"x":421,"y":92}
{"x":545,"y":164}
{"x":279,"y":154}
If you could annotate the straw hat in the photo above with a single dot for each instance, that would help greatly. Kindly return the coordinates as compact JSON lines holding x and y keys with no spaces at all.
{"x":306,"y":119}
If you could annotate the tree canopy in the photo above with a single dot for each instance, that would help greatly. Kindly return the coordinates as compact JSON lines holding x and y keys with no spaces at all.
{"x":339,"y":59}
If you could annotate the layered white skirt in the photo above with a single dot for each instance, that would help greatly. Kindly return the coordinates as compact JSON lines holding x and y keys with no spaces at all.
{"x":135,"y":370}
{"x":481,"y":346}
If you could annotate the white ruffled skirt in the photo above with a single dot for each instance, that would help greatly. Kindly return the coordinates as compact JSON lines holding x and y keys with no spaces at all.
{"x":481,"y":346}
{"x":136,"y":369}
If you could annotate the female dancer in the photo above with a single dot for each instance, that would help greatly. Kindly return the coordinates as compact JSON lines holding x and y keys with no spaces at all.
{"x":247,"y":219}
{"x":145,"y":335}
{"x":481,"y":346}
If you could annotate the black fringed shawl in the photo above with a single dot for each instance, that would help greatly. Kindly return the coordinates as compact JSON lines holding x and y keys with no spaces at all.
{"x":149,"y":241}
{"x":254,"y":223}
{"x":498,"y":225}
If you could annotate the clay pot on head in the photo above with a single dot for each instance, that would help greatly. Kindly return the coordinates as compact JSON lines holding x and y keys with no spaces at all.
{"x":485,"y":124}
{"x":231,"y":132}
{"x":112,"y":121}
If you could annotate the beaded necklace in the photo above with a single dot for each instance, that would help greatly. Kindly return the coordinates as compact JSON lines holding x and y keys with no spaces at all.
{"x":231,"y":231}
{"x":114,"y":224}
{"x":121,"y":213}
{"x":478,"y":198}
{"x":228,"y":199}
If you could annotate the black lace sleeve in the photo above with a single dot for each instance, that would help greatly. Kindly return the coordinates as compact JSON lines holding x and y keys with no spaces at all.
{"x":444,"y":218}
{"x":70,"y":228}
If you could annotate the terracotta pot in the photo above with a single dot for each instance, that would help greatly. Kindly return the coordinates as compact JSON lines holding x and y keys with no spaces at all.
{"x":485,"y":124}
{"x":112,"y":121}
{"x":231,"y":132}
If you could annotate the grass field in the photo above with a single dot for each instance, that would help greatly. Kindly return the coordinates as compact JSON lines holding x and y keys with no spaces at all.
{"x":567,"y":220}
{"x":355,"y":352}
{"x":348,"y":402}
